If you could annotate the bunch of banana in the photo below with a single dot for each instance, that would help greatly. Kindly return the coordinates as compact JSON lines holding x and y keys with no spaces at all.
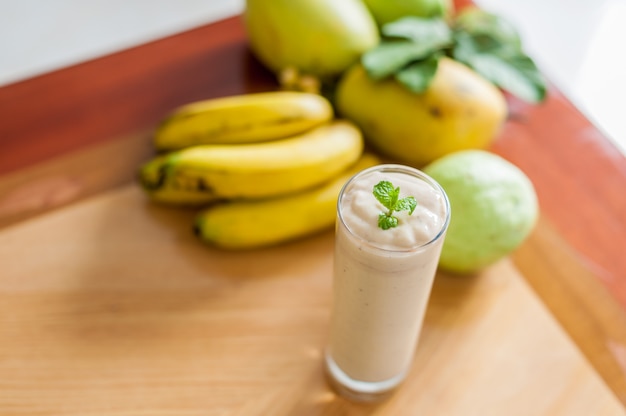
{"x":248,"y":224}
{"x":200,"y":174}
{"x":243,"y":158}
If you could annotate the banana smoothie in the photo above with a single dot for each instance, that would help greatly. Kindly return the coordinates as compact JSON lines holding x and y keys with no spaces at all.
{"x":391,"y":224}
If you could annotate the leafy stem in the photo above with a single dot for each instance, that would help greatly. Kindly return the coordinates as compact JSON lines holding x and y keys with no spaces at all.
{"x":389,"y":196}
{"x":412,"y":46}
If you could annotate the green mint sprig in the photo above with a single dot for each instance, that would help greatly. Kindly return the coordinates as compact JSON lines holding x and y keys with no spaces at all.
{"x":487,"y":43}
{"x":388,"y":195}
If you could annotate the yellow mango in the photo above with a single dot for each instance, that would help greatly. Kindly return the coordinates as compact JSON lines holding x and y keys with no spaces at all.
{"x":459,"y":110}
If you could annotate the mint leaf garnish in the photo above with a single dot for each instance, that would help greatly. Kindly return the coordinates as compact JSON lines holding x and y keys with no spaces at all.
{"x":388,"y":195}
{"x":406,"y":204}
{"x":386,"y":222}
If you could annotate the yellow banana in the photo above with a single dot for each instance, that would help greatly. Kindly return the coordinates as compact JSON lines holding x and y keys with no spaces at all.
{"x":183,"y":198}
{"x":170,"y":192}
{"x":248,"y":224}
{"x":242,"y":119}
{"x":257,"y":170}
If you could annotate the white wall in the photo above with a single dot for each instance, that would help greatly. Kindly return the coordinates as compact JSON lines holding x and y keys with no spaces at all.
{"x":37,"y":36}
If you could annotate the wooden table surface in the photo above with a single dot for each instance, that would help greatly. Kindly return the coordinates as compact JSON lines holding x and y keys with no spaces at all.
{"x":81,"y":334}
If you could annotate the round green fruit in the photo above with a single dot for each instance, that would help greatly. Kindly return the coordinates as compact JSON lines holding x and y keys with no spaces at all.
{"x":493,"y":208}
{"x":385,"y":11}
{"x":316,"y":37}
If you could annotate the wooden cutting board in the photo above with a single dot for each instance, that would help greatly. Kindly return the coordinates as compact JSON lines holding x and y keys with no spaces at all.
{"x":111,"y":306}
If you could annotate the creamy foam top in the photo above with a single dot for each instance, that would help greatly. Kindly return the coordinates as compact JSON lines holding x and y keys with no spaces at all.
{"x":360,"y":210}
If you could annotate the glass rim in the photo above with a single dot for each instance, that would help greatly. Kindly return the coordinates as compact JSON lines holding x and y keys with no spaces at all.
{"x":407,"y":170}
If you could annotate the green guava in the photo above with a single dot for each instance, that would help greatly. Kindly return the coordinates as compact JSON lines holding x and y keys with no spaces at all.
{"x":385,"y":11}
{"x":493,"y":205}
{"x":316,"y":37}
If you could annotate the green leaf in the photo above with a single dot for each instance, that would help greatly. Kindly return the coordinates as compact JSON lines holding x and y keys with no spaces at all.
{"x":481,"y":23}
{"x":418,"y":75}
{"x":506,"y":67}
{"x":389,"y":57}
{"x":419,"y":39}
{"x":433,"y":33}
{"x":406,"y":204}
{"x":386,"y":194}
{"x":466,"y":46}
{"x":516,"y":74}
{"x":386,"y":222}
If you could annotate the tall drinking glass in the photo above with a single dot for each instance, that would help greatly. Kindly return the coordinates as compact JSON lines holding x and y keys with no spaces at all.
{"x":382,"y":280}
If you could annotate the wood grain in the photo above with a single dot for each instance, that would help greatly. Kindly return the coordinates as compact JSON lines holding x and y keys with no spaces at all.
{"x":572,"y":294}
{"x":71,"y":177}
{"x":578,"y":175}
{"x":125,"y":312}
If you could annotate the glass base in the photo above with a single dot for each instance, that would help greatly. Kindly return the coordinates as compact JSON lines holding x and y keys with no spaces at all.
{"x":361,"y":391}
